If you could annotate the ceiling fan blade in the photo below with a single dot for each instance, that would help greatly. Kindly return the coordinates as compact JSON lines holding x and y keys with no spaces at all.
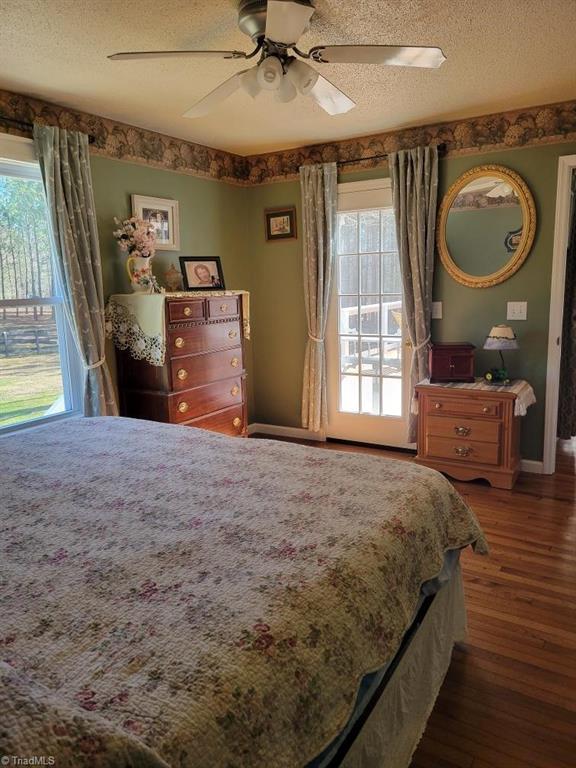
{"x":287,"y":20}
{"x":396,"y":55}
{"x":330,"y":98}
{"x":219,"y":94}
{"x":126,"y":55}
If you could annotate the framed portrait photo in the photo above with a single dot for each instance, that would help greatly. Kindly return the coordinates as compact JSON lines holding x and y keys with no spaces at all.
{"x":163,"y":215}
{"x":202,"y":273}
{"x":280,"y":223}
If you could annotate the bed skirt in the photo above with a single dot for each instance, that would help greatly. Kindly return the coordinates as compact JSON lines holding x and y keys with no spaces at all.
{"x":397,"y":722}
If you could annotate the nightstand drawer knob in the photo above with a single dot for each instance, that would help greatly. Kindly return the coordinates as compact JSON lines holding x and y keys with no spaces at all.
{"x":234,"y":362}
{"x":187,"y":311}
{"x":234,"y":391}
{"x":462,"y":451}
{"x":237,"y":421}
{"x":179,"y":342}
{"x":223,"y":307}
{"x":232,"y":334}
{"x":437,"y":406}
{"x":182,"y":374}
{"x":485,"y":409}
{"x":183,"y":406}
{"x":463,"y":431}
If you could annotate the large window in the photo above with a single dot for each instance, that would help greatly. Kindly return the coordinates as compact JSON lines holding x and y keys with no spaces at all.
{"x":37,"y":364}
{"x":369,"y":313}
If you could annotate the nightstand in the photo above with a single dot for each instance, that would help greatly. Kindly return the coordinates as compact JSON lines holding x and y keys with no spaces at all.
{"x":471,"y":431}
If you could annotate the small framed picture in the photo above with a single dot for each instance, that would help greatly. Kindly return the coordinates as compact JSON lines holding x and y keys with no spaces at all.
{"x":280,"y":223}
{"x":163,"y":215}
{"x":202,"y":273}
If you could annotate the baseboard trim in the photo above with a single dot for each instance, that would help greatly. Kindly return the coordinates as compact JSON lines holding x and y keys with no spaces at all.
{"x":533,"y":467}
{"x":275,"y":430}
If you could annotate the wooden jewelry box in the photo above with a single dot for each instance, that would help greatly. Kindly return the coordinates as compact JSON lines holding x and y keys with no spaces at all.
{"x":453,"y":361}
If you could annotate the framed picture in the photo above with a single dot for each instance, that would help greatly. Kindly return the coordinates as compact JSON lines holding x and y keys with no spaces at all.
{"x":202,"y":273}
{"x":163,"y":215}
{"x":280,"y":223}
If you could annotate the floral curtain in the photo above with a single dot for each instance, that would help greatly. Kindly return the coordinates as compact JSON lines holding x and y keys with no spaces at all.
{"x":414,"y":174}
{"x":65,"y":165}
{"x":318,"y":184}
{"x":567,"y":390}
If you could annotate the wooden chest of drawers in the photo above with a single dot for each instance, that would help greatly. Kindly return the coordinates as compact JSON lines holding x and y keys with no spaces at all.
{"x":469,"y":433}
{"x":203,"y":381}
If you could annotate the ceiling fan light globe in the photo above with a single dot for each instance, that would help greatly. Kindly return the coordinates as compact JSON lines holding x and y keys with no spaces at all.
{"x":286,"y":92}
{"x":249,"y":82}
{"x":270,"y":73}
{"x":302,"y":76}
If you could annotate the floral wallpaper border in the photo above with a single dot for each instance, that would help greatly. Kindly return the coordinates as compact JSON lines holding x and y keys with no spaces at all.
{"x":533,"y":126}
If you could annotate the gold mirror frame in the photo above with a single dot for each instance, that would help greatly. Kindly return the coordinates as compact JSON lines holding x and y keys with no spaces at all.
{"x":528,"y":226}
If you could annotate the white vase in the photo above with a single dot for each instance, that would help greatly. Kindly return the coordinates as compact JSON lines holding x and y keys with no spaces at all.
{"x":138,"y":267}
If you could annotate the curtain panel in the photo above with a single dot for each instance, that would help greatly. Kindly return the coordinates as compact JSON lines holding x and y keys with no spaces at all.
{"x":65,"y":165}
{"x":318,"y":184}
{"x":414,"y":176}
{"x":567,"y":389}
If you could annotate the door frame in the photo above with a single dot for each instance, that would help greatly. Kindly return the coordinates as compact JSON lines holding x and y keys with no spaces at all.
{"x":566,"y":167}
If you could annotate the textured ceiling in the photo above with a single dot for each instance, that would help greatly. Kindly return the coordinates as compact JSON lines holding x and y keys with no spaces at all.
{"x":502,"y":54}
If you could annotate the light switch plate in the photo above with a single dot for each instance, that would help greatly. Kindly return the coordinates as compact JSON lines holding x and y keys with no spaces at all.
{"x":517,"y":310}
{"x":436,"y":310}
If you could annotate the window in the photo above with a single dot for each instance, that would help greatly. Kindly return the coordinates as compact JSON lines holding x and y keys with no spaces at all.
{"x":369,"y":313}
{"x":37,"y":369}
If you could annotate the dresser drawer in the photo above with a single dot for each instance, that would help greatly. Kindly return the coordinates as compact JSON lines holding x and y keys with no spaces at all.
{"x":195,"y":370}
{"x":185,"y":310}
{"x":469,"y":451}
{"x":203,"y":338}
{"x":464,"y":428}
{"x":465,"y":406}
{"x":230,"y":421}
{"x":193,"y":403}
{"x":224,"y":306}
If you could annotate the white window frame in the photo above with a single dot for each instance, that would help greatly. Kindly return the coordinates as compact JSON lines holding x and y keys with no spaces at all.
{"x":17,"y":158}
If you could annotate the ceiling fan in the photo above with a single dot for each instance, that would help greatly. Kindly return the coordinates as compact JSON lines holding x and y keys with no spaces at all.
{"x":275,"y":27}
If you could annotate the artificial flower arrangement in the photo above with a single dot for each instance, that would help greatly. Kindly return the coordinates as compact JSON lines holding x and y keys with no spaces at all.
{"x":137,"y":238}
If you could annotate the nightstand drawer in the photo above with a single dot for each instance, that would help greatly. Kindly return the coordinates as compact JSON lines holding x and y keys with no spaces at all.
{"x":185,"y":310}
{"x":463,"y":428}
{"x":464,"y":451}
{"x":465,"y":406}
{"x":225,"y":306}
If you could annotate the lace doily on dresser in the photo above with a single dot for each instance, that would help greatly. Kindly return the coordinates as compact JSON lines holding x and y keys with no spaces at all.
{"x":123,"y":328}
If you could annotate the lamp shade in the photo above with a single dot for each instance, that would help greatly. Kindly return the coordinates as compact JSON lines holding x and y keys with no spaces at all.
{"x":501,"y":337}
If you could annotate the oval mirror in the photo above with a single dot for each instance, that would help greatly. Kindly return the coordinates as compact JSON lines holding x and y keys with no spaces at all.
{"x":486,"y":226}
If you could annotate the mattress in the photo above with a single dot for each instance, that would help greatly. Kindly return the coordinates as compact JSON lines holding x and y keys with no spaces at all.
{"x":174,"y":597}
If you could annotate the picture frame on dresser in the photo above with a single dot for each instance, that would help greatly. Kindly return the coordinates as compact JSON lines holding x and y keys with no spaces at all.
{"x":202,"y":273}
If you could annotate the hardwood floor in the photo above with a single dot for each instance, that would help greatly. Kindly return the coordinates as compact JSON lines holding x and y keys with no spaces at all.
{"x":509,"y":698}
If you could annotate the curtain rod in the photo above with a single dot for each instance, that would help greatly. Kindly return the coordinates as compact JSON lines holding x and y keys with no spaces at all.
{"x":441,"y":152}
{"x":24,"y":125}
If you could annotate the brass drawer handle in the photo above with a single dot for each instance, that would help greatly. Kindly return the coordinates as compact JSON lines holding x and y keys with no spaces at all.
{"x":187,"y":311}
{"x":223,"y":307}
{"x":234,"y":362}
{"x":182,"y":374}
{"x":237,"y":421}
{"x":235,"y":389}
{"x":183,"y":406}
{"x":463,"y":431}
{"x":179,"y":342}
{"x":485,"y":409}
{"x":232,"y":334}
{"x":462,"y":450}
{"x":437,"y":406}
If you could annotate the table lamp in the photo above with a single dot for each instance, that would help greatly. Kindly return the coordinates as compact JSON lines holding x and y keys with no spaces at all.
{"x":500,"y":337}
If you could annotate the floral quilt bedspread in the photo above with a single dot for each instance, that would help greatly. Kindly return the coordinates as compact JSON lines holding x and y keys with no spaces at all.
{"x":174,"y":597}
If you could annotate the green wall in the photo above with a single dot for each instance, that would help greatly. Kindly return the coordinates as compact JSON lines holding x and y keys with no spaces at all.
{"x":468,"y":313}
{"x":212,"y":220}
{"x":475,"y":239}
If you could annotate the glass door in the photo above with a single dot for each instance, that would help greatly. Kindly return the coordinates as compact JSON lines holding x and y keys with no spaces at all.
{"x":366,"y":344}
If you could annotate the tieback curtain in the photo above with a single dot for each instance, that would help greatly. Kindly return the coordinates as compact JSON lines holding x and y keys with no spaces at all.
{"x":65,"y":165}
{"x":414,"y":176}
{"x":318,"y":184}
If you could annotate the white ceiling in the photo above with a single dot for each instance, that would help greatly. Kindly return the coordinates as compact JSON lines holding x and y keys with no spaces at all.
{"x":502,"y":54}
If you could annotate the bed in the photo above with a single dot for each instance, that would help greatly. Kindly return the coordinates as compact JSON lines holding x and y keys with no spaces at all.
{"x":174,"y":597}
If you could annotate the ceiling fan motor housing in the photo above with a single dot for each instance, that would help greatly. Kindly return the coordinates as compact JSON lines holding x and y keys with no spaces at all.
{"x":252,"y":16}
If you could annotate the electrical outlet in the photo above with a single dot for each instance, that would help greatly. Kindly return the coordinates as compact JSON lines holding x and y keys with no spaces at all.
{"x":517,"y":310}
{"x":436,"y":310}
